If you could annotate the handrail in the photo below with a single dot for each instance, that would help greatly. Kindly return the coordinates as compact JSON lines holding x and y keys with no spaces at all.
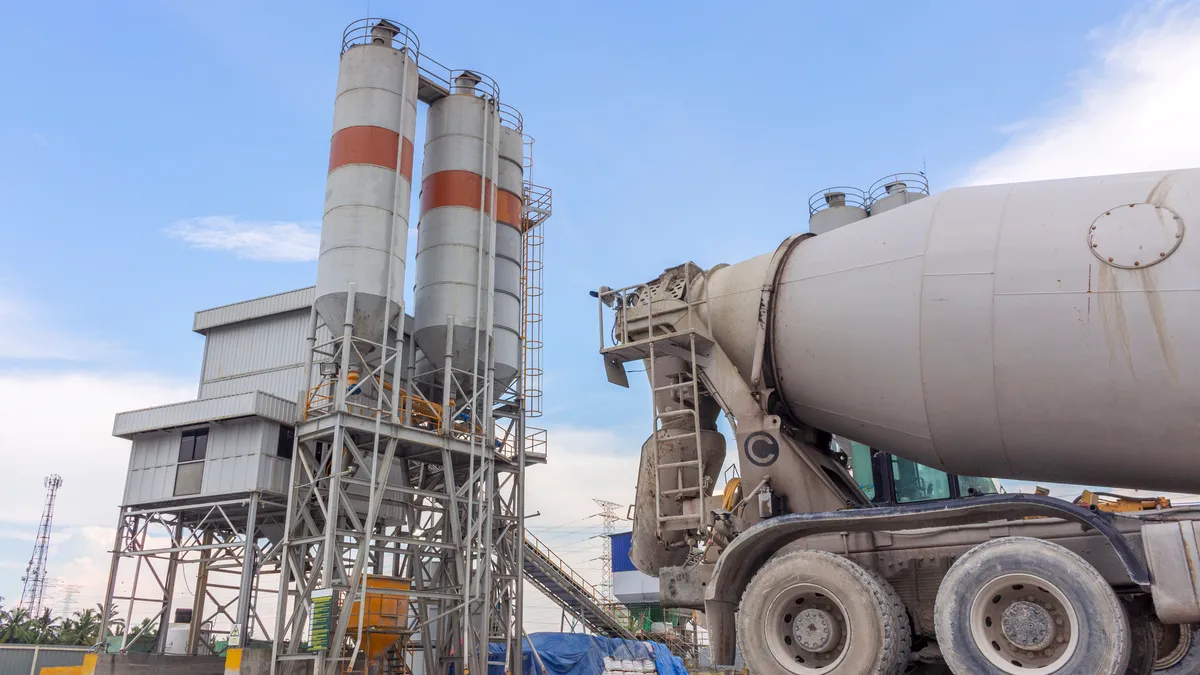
{"x":361,"y":32}
{"x":616,"y":612}
{"x":913,"y":182}
{"x":855,"y":197}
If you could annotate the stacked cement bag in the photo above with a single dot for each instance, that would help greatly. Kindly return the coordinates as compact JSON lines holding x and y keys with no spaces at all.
{"x":614,"y":666}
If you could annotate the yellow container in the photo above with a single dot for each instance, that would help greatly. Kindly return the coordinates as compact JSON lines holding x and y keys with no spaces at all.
{"x":386,"y":615}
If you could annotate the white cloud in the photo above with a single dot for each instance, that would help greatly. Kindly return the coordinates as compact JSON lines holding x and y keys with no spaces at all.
{"x":27,"y":333}
{"x":62,"y":423}
{"x":273,"y":240}
{"x":1130,"y":110}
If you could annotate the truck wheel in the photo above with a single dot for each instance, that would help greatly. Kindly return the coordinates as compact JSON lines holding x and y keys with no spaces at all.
{"x":1021,"y":606}
{"x":1143,"y":634}
{"x":817,"y":613}
{"x":1178,"y":650}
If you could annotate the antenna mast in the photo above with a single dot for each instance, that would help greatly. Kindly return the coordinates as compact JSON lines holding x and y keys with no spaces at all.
{"x":35,"y":573}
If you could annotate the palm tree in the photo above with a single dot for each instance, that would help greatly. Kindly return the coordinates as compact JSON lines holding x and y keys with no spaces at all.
{"x":82,"y":629}
{"x":15,"y":626}
{"x":44,"y":630}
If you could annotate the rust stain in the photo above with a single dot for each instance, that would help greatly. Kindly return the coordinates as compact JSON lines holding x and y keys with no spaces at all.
{"x":1089,"y":313}
{"x":1158,"y":193}
{"x":1112,"y":317}
{"x":1158,"y":318}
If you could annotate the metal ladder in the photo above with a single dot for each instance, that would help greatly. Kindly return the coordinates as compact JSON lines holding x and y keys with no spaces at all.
{"x":684,"y":390}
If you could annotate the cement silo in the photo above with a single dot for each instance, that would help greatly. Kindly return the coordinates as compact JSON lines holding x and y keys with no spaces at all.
{"x":364,"y":231}
{"x":466,"y":188}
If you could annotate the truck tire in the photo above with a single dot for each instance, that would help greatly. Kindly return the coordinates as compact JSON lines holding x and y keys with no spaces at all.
{"x":1178,"y":650}
{"x":1143,"y":634}
{"x":1020,"y":606}
{"x":817,"y":613}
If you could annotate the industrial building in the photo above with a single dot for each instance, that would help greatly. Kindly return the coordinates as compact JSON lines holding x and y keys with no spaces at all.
{"x":346,"y":490}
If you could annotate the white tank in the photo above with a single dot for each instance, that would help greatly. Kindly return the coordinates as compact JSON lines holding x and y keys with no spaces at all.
{"x":836,"y":207}
{"x":456,"y":216}
{"x":1043,"y":331}
{"x":364,"y":232}
{"x":896,"y":190}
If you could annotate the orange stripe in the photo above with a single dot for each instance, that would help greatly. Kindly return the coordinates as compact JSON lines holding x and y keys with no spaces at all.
{"x":453,"y":188}
{"x":508,"y":206}
{"x":370,"y":145}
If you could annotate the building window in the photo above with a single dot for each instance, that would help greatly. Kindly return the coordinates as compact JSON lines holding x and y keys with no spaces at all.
{"x":287,"y":438}
{"x":193,"y":445}
{"x":189,"y":474}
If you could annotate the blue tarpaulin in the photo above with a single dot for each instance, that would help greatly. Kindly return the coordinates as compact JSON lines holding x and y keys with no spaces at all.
{"x":579,"y":654}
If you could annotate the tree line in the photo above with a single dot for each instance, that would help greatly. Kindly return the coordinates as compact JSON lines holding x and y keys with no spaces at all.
{"x":82,"y":628}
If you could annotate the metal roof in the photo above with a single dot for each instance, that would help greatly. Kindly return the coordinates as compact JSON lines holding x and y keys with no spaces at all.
{"x":254,"y":403}
{"x":247,"y":310}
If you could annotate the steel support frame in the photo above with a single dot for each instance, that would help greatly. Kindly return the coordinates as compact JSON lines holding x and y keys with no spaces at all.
{"x":441,"y":508}
{"x":222,"y":537}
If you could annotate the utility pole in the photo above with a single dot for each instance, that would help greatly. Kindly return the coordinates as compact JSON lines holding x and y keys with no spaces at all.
{"x":608,"y":511}
{"x":33,"y":594}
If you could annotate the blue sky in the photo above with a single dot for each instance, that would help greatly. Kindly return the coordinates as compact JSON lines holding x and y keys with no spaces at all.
{"x":161,"y":156}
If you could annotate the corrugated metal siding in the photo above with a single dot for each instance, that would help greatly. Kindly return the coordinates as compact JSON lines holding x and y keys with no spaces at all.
{"x":256,"y":346}
{"x":152,"y":467}
{"x":19,"y":659}
{"x":233,"y":452}
{"x":232,"y":463}
{"x":274,"y":473}
{"x":282,"y":383}
{"x":621,"y":543}
{"x":204,"y":410}
{"x":253,"y":309}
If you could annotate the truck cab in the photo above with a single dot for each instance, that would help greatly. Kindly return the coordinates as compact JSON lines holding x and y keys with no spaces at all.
{"x":890,"y":480}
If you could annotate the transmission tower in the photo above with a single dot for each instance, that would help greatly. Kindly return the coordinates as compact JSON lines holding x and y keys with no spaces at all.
{"x":608,"y":511}
{"x":35,"y":574}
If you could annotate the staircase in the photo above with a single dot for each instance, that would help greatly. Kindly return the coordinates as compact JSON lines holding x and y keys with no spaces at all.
{"x":579,"y":598}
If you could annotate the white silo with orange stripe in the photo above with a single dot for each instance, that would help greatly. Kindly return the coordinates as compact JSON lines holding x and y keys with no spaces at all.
{"x":364,"y":231}
{"x":471,"y":163}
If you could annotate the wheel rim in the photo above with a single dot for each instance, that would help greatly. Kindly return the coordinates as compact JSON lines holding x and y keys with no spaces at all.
{"x":807,"y":630}
{"x":1024,"y":625}
{"x":1174,"y":641}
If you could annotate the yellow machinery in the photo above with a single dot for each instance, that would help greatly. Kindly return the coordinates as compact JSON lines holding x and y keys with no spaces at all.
{"x":385,"y":619}
{"x":1114,"y":503}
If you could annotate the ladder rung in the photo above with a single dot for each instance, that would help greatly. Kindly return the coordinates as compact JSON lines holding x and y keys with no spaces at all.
{"x":677,"y":385}
{"x":672,"y":465}
{"x":676,"y":413}
{"x":679,"y":491}
{"x":686,"y":516}
{"x":676,"y":437}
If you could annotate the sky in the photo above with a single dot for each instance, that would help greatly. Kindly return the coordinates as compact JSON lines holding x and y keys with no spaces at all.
{"x":164,"y":157}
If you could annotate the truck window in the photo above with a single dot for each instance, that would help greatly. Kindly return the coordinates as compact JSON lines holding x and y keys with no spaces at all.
{"x":917,"y":482}
{"x":970,"y":485}
{"x":860,"y":466}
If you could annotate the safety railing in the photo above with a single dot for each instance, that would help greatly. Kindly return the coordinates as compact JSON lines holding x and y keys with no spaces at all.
{"x":616,"y":611}
{"x":375,"y":30}
{"x":910,"y":182}
{"x":537,"y":442}
{"x":642,"y":299}
{"x":839,"y":195}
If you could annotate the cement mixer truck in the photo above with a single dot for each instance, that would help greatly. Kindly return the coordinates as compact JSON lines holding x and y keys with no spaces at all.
{"x":868,"y":368}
